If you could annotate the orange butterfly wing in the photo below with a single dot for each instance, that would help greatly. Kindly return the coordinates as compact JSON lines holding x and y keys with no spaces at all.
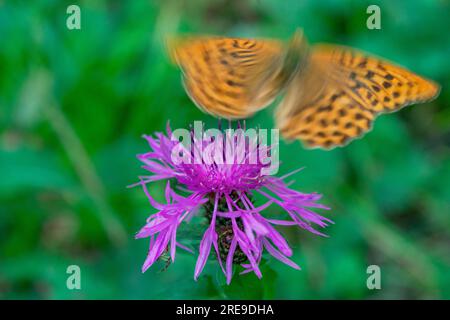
{"x":224,"y":76}
{"x":351,"y":89}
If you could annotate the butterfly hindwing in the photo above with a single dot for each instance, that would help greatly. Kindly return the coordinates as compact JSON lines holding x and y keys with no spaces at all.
{"x":334,"y":93}
{"x":333,"y":119}
{"x":354,"y":89}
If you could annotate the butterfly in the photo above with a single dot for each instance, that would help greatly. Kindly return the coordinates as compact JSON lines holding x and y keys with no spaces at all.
{"x":332,"y":93}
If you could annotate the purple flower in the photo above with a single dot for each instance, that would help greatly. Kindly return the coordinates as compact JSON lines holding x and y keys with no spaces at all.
{"x":220,"y":177}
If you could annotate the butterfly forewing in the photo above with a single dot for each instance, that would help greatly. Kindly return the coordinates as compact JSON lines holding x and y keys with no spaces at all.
{"x":333,"y":92}
{"x":355,"y":89}
{"x":222,"y":75}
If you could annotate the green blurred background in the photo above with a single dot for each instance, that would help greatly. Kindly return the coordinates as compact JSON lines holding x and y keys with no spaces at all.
{"x":73,"y":107}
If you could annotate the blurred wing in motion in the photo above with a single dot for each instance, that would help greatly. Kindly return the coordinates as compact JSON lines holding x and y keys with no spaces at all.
{"x":341,"y":91}
{"x":234,"y":77}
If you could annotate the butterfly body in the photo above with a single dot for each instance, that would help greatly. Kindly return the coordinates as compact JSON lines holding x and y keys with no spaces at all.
{"x":332,"y":94}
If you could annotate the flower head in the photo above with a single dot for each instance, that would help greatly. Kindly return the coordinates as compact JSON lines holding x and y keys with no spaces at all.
{"x":222,"y":173}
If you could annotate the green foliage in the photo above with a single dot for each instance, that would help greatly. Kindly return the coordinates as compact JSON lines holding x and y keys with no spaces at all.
{"x":73,"y":107}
